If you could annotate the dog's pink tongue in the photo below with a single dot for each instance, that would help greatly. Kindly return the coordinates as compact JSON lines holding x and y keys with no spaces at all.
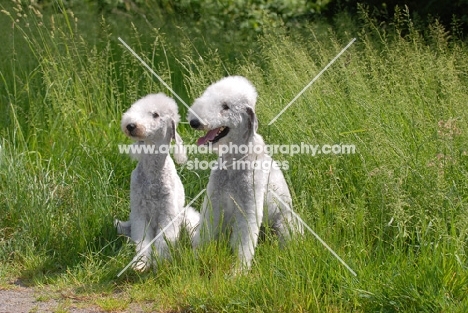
{"x":209,"y":136}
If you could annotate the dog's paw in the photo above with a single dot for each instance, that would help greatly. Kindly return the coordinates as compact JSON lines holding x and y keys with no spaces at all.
{"x":140,"y":266}
{"x":123,"y":227}
{"x":236,"y":271}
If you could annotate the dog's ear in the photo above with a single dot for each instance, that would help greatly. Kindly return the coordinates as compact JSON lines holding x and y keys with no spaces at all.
{"x":179,"y":151}
{"x":253,"y":122}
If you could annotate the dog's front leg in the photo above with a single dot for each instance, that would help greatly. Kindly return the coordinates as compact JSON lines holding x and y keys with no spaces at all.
{"x":244,"y":239}
{"x":169,"y":237}
{"x":209,"y":226}
{"x":141,"y":234}
{"x":245,"y":231}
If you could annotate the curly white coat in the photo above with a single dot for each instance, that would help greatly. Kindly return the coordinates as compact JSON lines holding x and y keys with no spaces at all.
{"x":156,"y":191}
{"x":236,"y":197}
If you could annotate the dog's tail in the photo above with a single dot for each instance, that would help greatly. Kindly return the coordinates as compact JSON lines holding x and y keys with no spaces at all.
{"x":191,"y":220}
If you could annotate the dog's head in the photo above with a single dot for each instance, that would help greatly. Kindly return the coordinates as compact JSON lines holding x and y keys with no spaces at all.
{"x":153,"y":119}
{"x":226,"y":111}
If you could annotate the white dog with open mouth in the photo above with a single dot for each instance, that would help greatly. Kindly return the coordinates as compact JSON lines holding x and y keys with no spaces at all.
{"x":244,"y":183}
{"x":156,"y":191}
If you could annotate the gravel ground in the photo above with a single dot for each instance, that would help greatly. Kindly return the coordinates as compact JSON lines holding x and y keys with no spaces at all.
{"x":15,"y":298}
{"x":25,"y":299}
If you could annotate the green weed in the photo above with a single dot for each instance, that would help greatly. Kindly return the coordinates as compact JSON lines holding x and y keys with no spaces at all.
{"x":395,"y":210}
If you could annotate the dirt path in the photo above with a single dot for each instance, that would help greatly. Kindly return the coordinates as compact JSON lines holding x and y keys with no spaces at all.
{"x":21,"y":299}
{"x":25,"y":299}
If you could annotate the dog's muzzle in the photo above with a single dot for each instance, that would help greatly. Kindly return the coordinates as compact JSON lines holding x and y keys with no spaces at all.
{"x":195,"y":123}
{"x":131,"y":127}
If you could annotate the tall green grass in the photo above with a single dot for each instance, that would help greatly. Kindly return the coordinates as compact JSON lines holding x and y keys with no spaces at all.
{"x":396,"y":210}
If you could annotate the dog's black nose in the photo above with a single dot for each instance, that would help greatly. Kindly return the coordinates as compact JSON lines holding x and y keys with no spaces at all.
{"x":195,"y":123}
{"x":131,"y":127}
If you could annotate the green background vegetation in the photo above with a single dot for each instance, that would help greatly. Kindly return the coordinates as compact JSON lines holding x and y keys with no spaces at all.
{"x":396,"y":211}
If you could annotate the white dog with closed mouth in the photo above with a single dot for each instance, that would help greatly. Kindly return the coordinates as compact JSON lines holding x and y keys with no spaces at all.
{"x":156,"y":191}
{"x":244,"y":183}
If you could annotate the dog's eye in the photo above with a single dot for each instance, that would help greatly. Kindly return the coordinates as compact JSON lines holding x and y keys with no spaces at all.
{"x":155,"y":115}
{"x":225,"y":106}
